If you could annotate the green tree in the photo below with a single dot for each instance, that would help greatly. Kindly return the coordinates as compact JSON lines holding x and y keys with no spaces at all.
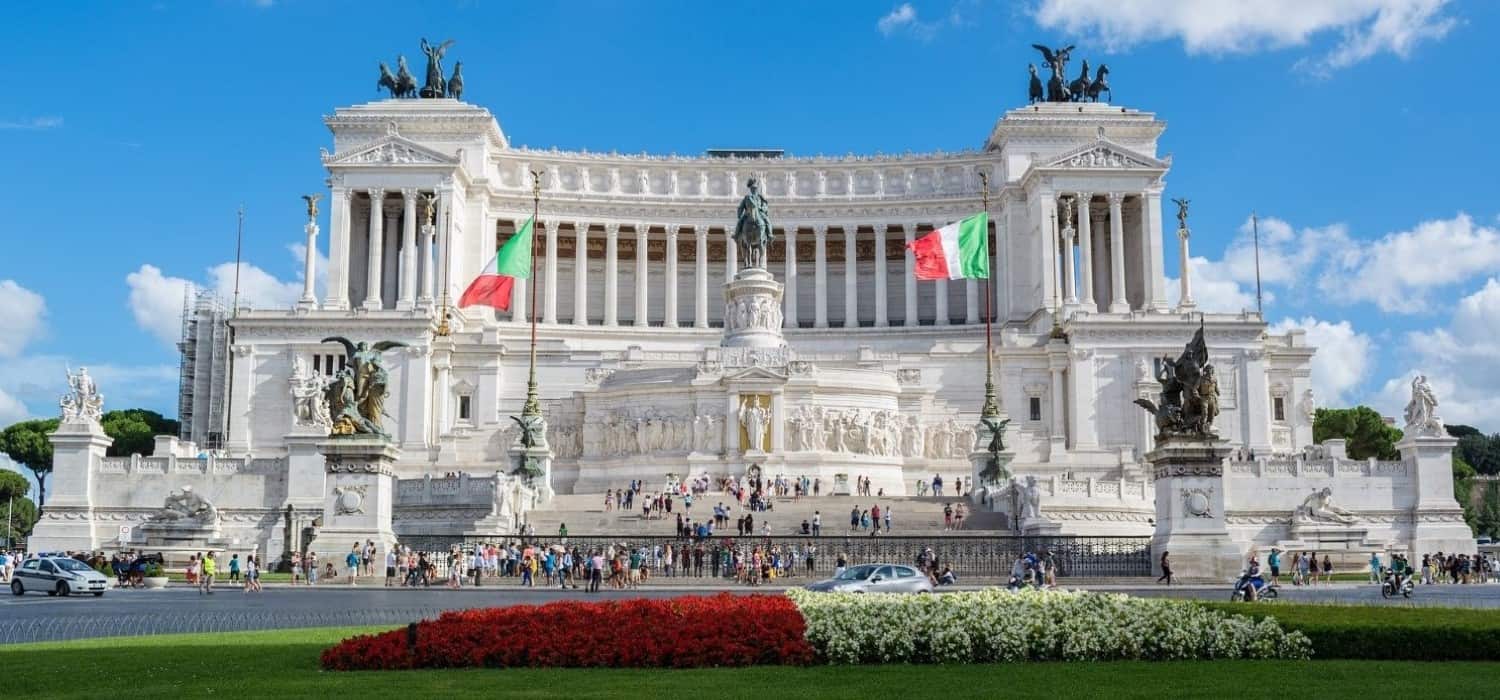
{"x":1489,"y":511}
{"x":1463,"y":491}
{"x":134,"y":430}
{"x":26,"y":443}
{"x":1480,"y":450}
{"x":1363,"y":428}
{"x":19,"y":514}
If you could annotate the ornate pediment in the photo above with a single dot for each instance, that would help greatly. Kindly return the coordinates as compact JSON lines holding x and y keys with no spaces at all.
{"x":1105,"y":154}
{"x":392,"y":149}
{"x":754,"y":374}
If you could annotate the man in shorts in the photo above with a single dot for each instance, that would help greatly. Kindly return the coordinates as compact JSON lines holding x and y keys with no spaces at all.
{"x":351,"y":562}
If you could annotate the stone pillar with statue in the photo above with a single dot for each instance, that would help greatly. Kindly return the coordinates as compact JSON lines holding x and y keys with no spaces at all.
{"x":1188,"y":468}
{"x":359,"y":459}
{"x":78,"y":448}
{"x":1427,"y":448}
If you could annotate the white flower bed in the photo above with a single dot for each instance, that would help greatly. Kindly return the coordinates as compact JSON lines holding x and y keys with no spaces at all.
{"x":996,"y":625}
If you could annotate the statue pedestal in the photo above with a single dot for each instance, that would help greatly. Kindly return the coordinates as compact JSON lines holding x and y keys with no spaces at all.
{"x":986,"y":495}
{"x":541,"y":456}
{"x":360,"y":482}
{"x":1190,"y":522}
{"x":752,"y":310}
{"x":1437,"y":518}
{"x":67,"y":523}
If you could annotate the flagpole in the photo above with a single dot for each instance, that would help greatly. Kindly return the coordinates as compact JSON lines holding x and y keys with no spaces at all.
{"x":533,"y":405}
{"x":443,"y":330}
{"x":991,"y":407}
{"x":1255,"y":227}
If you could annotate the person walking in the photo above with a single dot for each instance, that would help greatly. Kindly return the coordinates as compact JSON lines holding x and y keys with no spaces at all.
{"x":887,"y":514}
{"x":391,"y":564}
{"x":1274,"y":560}
{"x":1166,"y":569}
{"x":252,"y":574}
{"x":1374,"y":567}
{"x":817,"y":523}
{"x":206,"y":580}
{"x":234,"y":568}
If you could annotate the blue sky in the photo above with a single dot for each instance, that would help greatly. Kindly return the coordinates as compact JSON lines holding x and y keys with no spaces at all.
{"x":1361,"y":132}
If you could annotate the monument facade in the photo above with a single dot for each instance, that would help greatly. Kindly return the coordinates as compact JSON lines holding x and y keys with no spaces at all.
{"x":717,"y":314}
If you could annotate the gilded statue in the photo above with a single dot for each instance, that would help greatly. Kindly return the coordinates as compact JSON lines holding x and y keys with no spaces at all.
{"x":356,"y":396}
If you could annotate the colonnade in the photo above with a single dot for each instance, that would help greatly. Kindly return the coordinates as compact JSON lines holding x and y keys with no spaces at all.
{"x":661,"y":275}
{"x":1082,"y":286}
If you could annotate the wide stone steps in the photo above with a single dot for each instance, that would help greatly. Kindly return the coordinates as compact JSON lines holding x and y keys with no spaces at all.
{"x":585,"y":514}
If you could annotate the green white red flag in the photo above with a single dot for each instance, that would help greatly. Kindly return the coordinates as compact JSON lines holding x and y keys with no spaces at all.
{"x":497,"y":280}
{"x":960,"y":250}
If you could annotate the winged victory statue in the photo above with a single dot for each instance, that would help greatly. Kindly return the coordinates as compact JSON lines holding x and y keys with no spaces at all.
{"x":356,"y":396}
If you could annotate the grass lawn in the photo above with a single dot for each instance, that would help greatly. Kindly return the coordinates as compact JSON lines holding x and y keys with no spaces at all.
{"x":284,"y":663}
{"x":1380,"y":614}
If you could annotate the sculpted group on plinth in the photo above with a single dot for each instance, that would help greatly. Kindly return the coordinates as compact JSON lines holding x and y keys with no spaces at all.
{"x":402,"y":84}
{"x":1189,"y":400}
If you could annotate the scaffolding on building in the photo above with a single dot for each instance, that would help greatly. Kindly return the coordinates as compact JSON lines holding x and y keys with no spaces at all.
{"x":204,"y":368}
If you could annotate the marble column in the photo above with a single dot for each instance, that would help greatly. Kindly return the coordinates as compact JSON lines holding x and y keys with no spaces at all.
{"x":700,"y":276}
{"x":642,"y":309}
{"x":882,"y":293}
{"x":851,"y":276}
{"x":1086,"y":251}
{"x":1067,"y":240}
{"x":521,"y":292}
{"x":909,"y":231}
{"x":407,"y":298}
{"x":940,"y":286}
{"x":339,"y":215}
{"x":1118,"y":304}
{"x":1151,"y":252}
{"x":1057,"y":363}
{"x":424,"y":300}
{"x":820,"y":276}
{"x":611,"y":274}
{"x":731,"y":256}
{"x":581,"y":274}
{"x":669,"y":294}
{"x":375,"y":249}
{"x":1183,"y":269}
{"x":789,"y":303}
{"x":390,"y":259}
{"x":309,"y":298}
{"x":971,"y":301}
{"x":549,"y":298}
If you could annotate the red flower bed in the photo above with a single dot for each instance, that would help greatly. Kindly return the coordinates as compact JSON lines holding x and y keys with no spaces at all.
{"x":690,"y":631}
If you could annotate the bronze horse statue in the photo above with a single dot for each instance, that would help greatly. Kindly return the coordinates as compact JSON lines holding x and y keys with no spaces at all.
{"x":1079,"y":89}
{"x":1034,"y":90}
{"x":1100,"y":84}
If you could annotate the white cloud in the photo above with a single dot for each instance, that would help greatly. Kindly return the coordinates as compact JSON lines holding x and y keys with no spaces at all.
{"x":1364,"y":27}
{"x":11,"y":409}
{"x":1461,"y":359}
{"x":901,"y":16}
{"x":34,"y":124}
{"x":156,"y":299}
{"x":1343,"y":358}
{"x":1287,"y":257}
{"x":1398,"y":271}
{"x":21,"y":314}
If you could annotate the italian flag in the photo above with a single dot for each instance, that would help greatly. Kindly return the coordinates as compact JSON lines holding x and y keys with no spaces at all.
{"x":960,"y":250}
{"x":496,"y":281}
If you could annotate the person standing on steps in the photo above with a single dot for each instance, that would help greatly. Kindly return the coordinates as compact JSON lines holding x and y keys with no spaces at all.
{"x":817,"y":523}
{"x":1166,"y":569}
{"x":351,"y":562}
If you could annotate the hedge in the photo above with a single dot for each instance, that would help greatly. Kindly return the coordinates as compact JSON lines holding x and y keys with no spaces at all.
{"x":1390,"y":633}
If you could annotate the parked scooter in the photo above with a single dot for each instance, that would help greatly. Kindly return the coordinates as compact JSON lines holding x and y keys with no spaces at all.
{"x":1263,"y":590}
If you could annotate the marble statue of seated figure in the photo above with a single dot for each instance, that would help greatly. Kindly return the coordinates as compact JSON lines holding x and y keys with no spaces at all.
{"x":1320,"y":507}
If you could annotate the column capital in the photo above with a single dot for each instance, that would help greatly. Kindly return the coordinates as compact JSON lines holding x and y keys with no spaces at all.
{"x":612,"y":230}
{"x":641,"y":230}
{"x":821,"y":229}
{"x":673,"y":229}
{"x":1115,"y":198}
{"x":346,"y":192}
{"x":376,"y":193}
{"x":700,"y":231}
{"x":409,"y":194}
{"x":1083,"y":197}
{"x":851,"y":229}
{"x":580,"y":227}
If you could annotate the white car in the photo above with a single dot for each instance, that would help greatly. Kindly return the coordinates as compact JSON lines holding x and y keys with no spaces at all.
{"x":57,"y":576}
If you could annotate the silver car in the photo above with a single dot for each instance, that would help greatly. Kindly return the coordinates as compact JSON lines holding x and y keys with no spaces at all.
{"x":876,"y":578}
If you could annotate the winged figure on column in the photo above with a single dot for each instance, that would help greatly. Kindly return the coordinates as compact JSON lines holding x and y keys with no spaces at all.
{"x":356,"y":397}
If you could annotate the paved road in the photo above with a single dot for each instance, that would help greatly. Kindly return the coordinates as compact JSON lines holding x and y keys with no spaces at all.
{"x":140,"y":612}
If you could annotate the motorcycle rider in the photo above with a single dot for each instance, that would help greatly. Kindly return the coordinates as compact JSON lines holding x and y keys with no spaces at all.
{"x":1249,"y":580}
{"x":1399,"y":572}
